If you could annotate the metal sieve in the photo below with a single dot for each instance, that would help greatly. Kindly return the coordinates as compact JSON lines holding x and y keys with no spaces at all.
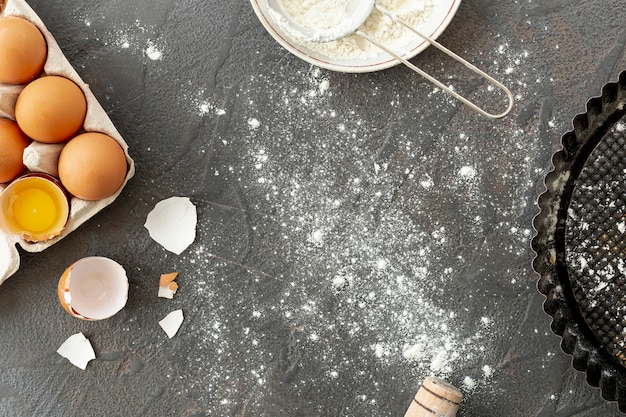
{"x":356,"y":13}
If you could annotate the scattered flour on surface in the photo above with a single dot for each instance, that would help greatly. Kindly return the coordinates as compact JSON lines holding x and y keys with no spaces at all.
{"x":127,"y":37}
{"x":468,"y":383}
{"x":153,"y":52}
{"x":204,"y":108}
{"x":427,"y":181}
{"x":364,"y":272}
{"x":385,"y":301}
{"x":467,"y":172}
{"x":317,"y":238}
{"x":254,"y":123}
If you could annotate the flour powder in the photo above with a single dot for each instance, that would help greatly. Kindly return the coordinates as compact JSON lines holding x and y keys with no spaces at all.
{"x":324,"y":14}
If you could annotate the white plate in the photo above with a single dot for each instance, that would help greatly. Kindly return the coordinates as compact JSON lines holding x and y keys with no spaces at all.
{"x":442,"y":13}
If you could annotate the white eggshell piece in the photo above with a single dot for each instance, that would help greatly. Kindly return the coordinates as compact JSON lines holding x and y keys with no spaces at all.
{"x":78,"y":350}
{"x":165,"y":292}
{"x":172,"y":322}
{"x":172,"y":223}
{"x":98,"y":288}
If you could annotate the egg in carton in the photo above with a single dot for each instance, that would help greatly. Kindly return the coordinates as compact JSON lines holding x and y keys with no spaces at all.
{"x":43,"y":157}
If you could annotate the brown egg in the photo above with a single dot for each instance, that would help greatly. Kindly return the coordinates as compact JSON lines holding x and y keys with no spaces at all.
{"x":92,"y":166}
{"x":12,"y":145}
{"x":23,"y":50}
{"x":51,"y":109}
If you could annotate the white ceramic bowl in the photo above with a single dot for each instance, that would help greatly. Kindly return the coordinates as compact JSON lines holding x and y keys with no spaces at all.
{"x":442,"y":13}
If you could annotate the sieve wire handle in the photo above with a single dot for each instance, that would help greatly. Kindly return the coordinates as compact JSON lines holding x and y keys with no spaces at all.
{"x":451,"y":54}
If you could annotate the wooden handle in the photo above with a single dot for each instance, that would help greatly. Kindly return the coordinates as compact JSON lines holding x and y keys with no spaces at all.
{"x":435,"y":398}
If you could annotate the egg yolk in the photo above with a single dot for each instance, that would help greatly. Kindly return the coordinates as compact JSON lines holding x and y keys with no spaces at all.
{"x":34,"y":210}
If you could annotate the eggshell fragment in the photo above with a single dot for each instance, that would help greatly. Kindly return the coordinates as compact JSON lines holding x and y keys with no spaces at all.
{"x":78,"y":350}
{"x":172,"y":322}
{"x":172,"y":223}
{"x":167,"y":286}
{"x":93,"y":288}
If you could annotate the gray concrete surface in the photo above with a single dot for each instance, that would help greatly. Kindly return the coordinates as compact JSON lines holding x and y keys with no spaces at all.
{"x":356,"y":234}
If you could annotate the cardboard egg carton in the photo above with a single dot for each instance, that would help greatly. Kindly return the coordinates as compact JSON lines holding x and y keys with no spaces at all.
{"x":43,"y":157}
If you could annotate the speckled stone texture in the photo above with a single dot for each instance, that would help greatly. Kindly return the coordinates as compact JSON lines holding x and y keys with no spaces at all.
{"x":356,"y":234}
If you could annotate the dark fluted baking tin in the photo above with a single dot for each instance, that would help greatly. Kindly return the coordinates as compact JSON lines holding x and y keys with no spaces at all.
{"x":595,"y":244}
{"x":601,"y":365}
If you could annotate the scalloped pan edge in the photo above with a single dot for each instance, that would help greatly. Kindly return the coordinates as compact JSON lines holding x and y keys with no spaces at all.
{"x":601,"y":368}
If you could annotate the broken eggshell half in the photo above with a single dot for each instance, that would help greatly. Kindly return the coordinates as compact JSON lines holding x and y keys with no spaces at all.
{"x":93,"y":288}
{"x":172,"y":223}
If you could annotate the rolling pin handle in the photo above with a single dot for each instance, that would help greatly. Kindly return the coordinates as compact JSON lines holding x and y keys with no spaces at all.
{"x":435,"y":398}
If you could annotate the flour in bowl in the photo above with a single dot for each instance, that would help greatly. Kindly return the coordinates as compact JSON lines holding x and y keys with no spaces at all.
{"x":323,"y":14}
{"x":317,"y":14}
